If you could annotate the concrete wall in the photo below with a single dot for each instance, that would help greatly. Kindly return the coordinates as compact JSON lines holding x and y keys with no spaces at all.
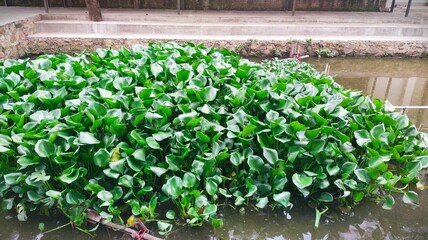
{"x":13,"y":37}
{"x":272,"y":5}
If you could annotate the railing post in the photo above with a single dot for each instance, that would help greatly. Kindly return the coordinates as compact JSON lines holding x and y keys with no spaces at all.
{"x":392,"y":6}
{"x":408,"y":8}
{"x":294,"y":7}
{"x":178,"y":6}
{"x":46,"y":3}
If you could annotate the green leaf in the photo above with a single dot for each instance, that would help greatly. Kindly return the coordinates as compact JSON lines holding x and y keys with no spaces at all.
{"x":164,"y":228}
{"x":362,"y":175}
{"x":332,"y":169}
{"x":69,"y":175}
{"x":54,"y":194}
{"x":105,"y":195}
{"x":325,"y":197}
{"x":12,"y":178}
{"x":301,"y":181}
{"x":44,"y":148}
{"x":189,"y":180}
{"x":173,"y":187}
{"x":161,"y":136}
{"x":236,"y":158}
{"x":74,"y":197}
{"x":126,"y":181}
{"x":271,"y":155}
{"x":158,"y":171}
{"x":7,"y":204}
{"x":87,"y":138}
{"x":388,"y":202}
{"x":209,"y":94}
{"x":170,"y":214}
{"x":255,"y":162}
{"x":153,"y":143}
{"x":156,"y":69}
{"x":262,"y":202}
{"x":211,"y":187}
{"x":210,"y":210}
{"x":283,"y":199}
{"x":204,"y":138}
{"x":411,"y":197}
{"x":102,"y":157}
{"x":183,"y":75}
{"x":363,"y":137}
{"x":217,"y":222}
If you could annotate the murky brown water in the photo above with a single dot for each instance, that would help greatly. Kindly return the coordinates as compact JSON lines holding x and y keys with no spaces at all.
{"x":401,"y":81}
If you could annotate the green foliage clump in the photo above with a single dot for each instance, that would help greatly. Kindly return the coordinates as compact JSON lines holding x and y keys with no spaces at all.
{"x":121,"y":131}
{"x":324,"y":52}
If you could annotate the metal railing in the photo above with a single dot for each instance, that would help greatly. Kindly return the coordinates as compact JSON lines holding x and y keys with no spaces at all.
{"x":46,"y":6}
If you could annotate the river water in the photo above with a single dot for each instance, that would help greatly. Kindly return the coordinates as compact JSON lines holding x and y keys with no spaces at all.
{"x":404,"y":82}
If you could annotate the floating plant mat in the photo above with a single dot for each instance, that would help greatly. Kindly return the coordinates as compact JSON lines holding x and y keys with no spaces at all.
{"x":122,"y":131}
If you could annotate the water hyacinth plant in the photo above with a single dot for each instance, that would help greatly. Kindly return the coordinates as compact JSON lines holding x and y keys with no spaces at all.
{"x":192,"y":127}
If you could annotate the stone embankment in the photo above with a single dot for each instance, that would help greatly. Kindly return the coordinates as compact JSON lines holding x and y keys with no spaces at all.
{"x":14,"y":37}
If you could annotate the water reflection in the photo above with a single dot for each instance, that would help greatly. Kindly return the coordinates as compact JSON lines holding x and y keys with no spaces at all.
{"x":403,"y":82}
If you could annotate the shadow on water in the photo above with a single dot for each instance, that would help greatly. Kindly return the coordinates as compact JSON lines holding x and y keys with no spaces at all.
{"x":401,"y":81}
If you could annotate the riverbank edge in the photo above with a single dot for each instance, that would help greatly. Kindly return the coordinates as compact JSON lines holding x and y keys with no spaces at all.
{"x":16,"y":41}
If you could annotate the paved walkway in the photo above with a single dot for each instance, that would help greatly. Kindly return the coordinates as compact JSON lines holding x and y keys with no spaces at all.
{"x":12,"y":14}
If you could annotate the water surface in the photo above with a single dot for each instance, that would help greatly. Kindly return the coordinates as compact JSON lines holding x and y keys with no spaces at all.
{"x":404,"y":82}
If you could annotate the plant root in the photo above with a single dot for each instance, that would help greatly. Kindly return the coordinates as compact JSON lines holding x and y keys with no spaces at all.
{"x":140,"y":234}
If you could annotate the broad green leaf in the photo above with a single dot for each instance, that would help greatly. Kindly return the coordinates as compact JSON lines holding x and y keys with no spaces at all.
{"x":69,"y":175}
{"x":156,"y":69}
{"x":126,"y":181}
{"x":283,"y":199}
{"x":105,"y":195}
{"x":236,"y":158}
{"x":363,"y":137}
{"x":211,"y":187}
{"x":262,"y":202}
{"x":158,"y":171}
{"x":411,"y":197}
{"x":12,"y":178}
{"x":153,"y":143}
{"x":388,"y":202}
{"x":325,"y":197}
{"x":255,"y":162}
{"x":164,"y":228}
{"x":271,"y":155}
{"x":173,"y":187}
{"x":44,"y":148}
{"x":74,"y":197}
{"x":102,"y":157}
{"x":209,"y":94}
{"x":7,"y":204}
{"x":189,"y":180}
{"x":362,"y":175}
{"x":87,"y":138}
{"x":170,"y":214}
{"x":301,"y":181}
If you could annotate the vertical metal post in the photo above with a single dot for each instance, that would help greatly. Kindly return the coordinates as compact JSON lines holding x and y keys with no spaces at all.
{"x":392,"y":6}
{"x":46,"y":3}
{"x":408,"y":8}
{"x":178,"y":6}
{"x":5,"y":3}
{"x":294,"y":7}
